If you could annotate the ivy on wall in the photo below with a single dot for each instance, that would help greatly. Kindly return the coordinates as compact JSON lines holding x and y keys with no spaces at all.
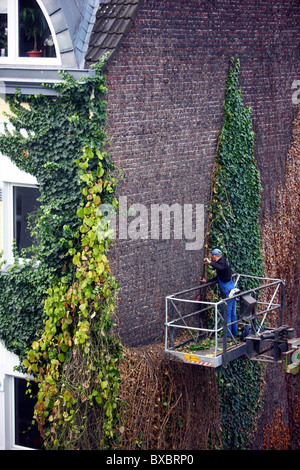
{"x":76,"y":358}
{"x":56,"y":310}
{"x":234,"y":228}
{"x":49,"y":135}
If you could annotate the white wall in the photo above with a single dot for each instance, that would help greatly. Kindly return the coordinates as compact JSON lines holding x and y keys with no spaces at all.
{"x":9,"y":174}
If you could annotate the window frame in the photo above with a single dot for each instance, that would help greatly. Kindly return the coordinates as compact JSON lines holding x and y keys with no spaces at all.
{"x":10,"y":415}
{"x":13,"y":39}
{"x":9,"y":217}
{"x":15,"y":215}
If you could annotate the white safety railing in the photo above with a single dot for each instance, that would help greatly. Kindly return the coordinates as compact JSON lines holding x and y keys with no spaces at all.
{"x":188,"y":320}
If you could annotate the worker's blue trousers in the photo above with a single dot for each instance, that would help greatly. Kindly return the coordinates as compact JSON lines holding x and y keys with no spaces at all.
{"x":225,"y":288}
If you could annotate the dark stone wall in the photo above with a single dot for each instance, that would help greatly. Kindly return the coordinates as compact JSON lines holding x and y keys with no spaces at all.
{"x":166,"y":90}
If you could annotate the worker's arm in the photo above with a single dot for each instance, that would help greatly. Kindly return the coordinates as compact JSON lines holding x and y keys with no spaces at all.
{"x":221,"y":265}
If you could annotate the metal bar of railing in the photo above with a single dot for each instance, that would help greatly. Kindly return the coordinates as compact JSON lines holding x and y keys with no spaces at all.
{"x":216,"y":328}
{"x":181,"y":316}
{"x":194,"y":288}
{"x":172,"y":322}
{"x":267,"y":311}
{"x":184,"y":327}
{"x":282,"y":303}
{"x":269,"y":306}
{"x":166,"y":323}
{"x":254,"y":289}
{"x":225,"y":336}
{"x":192,"y":301}
{"x":261,"y":302}
{"x":258,"y":277}
{"x":209,"y":305}
{"x":237,"y":280}
{"x":191,"y":314}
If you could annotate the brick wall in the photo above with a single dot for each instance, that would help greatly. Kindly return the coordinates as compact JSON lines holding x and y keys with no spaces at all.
{"x":166,"y":89}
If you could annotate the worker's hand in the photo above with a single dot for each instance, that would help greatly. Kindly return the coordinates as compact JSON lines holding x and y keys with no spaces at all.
{"x":203,"y":281}
{"x":206,"y":261}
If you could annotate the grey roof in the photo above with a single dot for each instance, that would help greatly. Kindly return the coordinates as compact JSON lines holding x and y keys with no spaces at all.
{"x":85,"y":30}
{"x":73,"y":21}
{"x":113,"y":20}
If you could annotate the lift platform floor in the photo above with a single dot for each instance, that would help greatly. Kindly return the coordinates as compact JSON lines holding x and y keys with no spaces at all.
{"x":207,"y":357}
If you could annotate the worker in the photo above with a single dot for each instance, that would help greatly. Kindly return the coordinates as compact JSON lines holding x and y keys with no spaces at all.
{"x":226,"y":285}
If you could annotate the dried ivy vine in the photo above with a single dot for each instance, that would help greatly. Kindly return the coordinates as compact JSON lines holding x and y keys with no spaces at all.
{"x":234,"y":227}
{"x":66,"y":342}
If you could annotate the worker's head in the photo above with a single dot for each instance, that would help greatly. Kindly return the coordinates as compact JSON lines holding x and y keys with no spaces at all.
{"x":216,"y":254}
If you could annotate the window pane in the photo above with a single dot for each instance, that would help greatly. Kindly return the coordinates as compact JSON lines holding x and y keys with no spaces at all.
{"x":35,"y":38}
{"x":25,"y":203}
{"x":26,"y":433}
{"x":3,"y":28}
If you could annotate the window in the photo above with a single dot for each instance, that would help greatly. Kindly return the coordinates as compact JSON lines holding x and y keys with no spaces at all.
{"x":25,"y":34}
{"x":17,"y":428}
{"x":35,"y":38}
{"x":18,"y":207}
{"x":25,"y":433}
{"x":24,"y":204}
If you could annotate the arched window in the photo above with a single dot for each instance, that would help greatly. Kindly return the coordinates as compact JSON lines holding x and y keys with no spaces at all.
{"x":26,"y":34}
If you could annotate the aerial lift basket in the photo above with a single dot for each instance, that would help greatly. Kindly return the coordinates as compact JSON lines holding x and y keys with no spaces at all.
{"x":196,"y":330}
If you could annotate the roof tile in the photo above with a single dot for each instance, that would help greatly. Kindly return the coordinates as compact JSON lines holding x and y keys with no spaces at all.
{"x":113,"y":20}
